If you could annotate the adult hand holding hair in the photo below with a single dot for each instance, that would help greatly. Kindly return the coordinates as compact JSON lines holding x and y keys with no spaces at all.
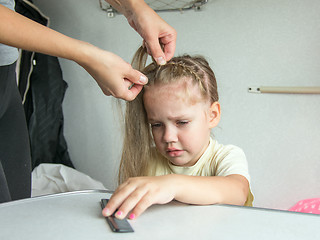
{"x":113,"y":74}
{"x":151,"y":27}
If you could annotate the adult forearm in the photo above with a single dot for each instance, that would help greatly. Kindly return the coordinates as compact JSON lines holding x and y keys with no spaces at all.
{"x":128,"y":7}
{"x":21,"y":32}
{"x":210,"y":190}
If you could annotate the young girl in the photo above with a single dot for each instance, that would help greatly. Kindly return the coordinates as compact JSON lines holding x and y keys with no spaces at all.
{"x":168,"y":152}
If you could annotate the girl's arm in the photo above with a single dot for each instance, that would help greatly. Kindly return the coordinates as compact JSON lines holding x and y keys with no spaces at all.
{"x":137,"y":194}
{"x":232,"y":189}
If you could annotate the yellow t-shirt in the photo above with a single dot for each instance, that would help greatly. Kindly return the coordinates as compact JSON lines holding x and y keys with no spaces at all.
{"x":217,"y":160}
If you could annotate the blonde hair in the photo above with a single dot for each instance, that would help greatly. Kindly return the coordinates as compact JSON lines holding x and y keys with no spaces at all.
{"x":138,"y":146}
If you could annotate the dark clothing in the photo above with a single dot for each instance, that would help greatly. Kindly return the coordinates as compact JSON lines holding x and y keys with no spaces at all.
{"x":15,"y":161}
{"x":42,"y":89}
{"x":43,"y":108}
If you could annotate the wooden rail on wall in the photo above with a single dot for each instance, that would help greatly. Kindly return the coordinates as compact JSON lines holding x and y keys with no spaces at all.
{"x":292,"y":90}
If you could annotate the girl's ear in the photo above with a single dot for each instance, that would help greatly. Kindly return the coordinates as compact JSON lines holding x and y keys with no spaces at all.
{"x":214,"y":114}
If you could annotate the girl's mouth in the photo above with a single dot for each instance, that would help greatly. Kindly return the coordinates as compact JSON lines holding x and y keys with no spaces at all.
{"x":174,"y":152}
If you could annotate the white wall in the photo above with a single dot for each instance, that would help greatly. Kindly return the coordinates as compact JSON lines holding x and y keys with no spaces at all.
{"x":248,"y":43}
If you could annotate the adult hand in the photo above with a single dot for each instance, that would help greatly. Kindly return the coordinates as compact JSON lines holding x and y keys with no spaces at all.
{"x":137,"y":194}
{"x":114,"y":76}
{"x":151,"y":27}
{"x":155,"y":31}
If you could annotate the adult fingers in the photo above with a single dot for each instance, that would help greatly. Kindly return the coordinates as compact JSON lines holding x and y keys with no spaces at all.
{"x":133,"y":84}
{"x":169,"y":47}
{"x":154,"y":48}
{"x":133,"y":92}
{"x":135,"y":76}
{"x":169,"y":43}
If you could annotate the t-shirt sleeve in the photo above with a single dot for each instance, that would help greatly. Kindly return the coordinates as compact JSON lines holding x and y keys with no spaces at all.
{"x":231,"y":160}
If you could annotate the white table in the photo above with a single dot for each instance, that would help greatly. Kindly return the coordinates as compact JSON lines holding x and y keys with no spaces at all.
{"x":77,"y":215}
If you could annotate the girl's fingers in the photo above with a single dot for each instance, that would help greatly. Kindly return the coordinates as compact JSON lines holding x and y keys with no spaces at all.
{"x":141,"y":206}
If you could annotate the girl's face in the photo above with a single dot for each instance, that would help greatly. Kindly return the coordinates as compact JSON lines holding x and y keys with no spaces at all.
{"x":180,"y":127}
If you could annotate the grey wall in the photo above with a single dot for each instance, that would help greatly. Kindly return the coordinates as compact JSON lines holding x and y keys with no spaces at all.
{"x":248,"y":43}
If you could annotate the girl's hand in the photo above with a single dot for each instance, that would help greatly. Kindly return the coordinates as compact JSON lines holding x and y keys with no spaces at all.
{"x":137,"y":194}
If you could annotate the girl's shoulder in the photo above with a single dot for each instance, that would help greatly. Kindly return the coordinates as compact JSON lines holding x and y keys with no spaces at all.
{"x":221,"y":151}
{"x":228,"y":159}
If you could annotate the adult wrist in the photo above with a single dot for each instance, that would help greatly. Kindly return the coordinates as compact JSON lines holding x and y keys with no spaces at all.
{"x":128,"y":8}
{"x":83,"y":53}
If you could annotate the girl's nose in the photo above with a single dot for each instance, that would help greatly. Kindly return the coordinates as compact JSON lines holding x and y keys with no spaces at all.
{"x":170,"y":135}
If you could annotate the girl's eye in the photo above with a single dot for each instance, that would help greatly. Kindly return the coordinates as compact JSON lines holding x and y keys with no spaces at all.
{"x":155,"y":125}
{"x":181,"y":123}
